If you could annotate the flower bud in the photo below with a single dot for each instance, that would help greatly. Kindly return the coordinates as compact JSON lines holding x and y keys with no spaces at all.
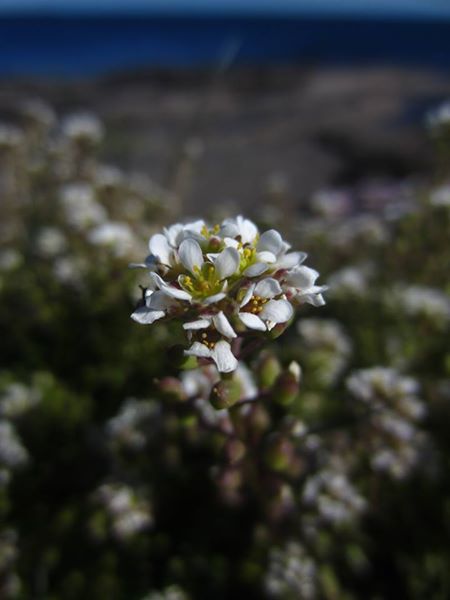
{"x":225,"y":393}
{"x":287,"y":385}
{"x":172,"y":389}
{"x":234,"y":451}
{"x":268,"y":370}
{"x":280,"y":454}
{"x":278,"y":330}
{"x":258,"y":419}
{"x":215,"y":244}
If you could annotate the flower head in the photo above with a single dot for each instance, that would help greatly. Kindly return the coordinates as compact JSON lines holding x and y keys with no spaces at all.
{"x":224,"y":282}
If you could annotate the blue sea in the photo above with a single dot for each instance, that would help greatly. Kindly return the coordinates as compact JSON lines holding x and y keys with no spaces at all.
{"x":79,"y":46}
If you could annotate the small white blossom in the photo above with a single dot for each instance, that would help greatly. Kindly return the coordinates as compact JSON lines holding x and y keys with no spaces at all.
{"x":80,"y":207}
{"x":16,"y":399}
{"x":129,"y":511}
{"x":438,"y":117}
{"x":116,"y":236}
{"x":441,"y":196}
{"x":422,"y":301}
{"x":50,"y":242}
{"x":12,"y":453}
{"x":291,"y":573}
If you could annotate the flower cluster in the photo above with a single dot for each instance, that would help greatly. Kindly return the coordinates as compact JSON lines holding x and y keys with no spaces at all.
{"x":128,"y":510}
{"x":223,"y":282}
{"x":395,"y":441}
{"x":291,"y":573}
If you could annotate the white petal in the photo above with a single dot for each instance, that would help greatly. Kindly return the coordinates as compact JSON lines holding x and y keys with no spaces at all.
{"x":314,"y":299}
{"x":224,"y":358}
{"x":227,"y":263}
{"x":271,"y":241}
{"x":198,"y":349}
{"x":268,"y":288}
{"x":195,"y":226}
{"x":230,"y":242}
{"x":291,"y":260}
{"x":229,"y":230}
{"x":190,"y":235}
{"x":199,"y":324}
{"x":214,"y":298}
{"x":278,"y":311}
{"x":223,"y":326}
{"x":172,"y":234}
{"x":159,"y":301}
{"x":248,"y":295}
{"x":302,"y":277}
{"x":159,"y":247}
{"x":145,"y":316}
{"x":256,"y":270}
{"x":252,"y":321}
{"x":169,"y":290}
{"x":191,"y":255}
{"x":266,"y":256}
{"x":176,"y":293}
{"x":247,"y":230}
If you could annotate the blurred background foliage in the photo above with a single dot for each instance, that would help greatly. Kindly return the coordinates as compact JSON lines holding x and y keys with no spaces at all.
{"x":117,"y":477}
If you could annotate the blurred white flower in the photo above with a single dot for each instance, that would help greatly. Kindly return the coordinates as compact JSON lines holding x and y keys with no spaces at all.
{"x":125,"y":427}
{"x":422,"y":301}
{"x":440,"y":196}
{"x":50,"y":242}
{"x":291,"y":573}
{"x":129,"y":511}
{"x":351,"y":280}
{"x":16,"y":399}
{"x":12,"y":452}
{"x":438,"y":117}
{"x":10,"y":259}
{"x":80,"y":207}
{"x":10,"y":137}
{"x":80,"y":127}
{"x":118,"y":237}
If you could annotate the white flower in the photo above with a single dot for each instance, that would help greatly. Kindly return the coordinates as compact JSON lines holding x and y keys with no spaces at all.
{"x":440,"y":196}
{"x":117,"y":236}
{"x":83,"y":126}
{"x":219,"y":352}
{"x":12,"y":453}
{"x":218,"y":320}
{"x":423,"y":301}
{"x":260,"y":310}
{"x":156,"y":306}
{"x":50,"y":242}
{"x":241,"y":228}
{"x":439,"y":117}
{"x":301,"y":285}
{"x":80,"y":206}
{"x":271,"y":255}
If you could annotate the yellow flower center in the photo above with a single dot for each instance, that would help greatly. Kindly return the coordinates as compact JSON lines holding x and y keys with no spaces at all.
{"x":206,"y":341}
{"x":255,"y":305}
{"x":207,"y":233}
{"x":202,"y":283}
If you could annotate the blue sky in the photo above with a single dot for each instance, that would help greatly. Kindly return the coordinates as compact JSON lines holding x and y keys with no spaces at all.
{"x":413,"y":8}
